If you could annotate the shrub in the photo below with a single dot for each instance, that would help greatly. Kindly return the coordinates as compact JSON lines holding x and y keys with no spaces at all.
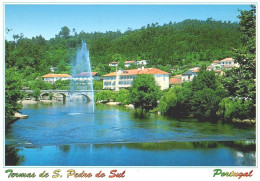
{"x":123,"y":96}
{"x":235,"y":108}
{"x":105,"y":95}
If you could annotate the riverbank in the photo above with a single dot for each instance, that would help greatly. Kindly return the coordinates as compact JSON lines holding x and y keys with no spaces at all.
{"x":20,"y":116}
{"x":35,"y":102}
{"x":119,"y":103}
{"x":244,"y":121}
{"x":111,"y":103}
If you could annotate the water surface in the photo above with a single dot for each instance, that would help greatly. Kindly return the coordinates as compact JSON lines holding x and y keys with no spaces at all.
{"x":69,"y":134}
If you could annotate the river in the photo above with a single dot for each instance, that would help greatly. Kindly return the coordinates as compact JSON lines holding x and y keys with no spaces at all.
{"x":69,"y":134}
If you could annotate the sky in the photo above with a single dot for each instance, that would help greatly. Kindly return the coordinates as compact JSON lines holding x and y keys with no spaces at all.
{"x":47,"y":20}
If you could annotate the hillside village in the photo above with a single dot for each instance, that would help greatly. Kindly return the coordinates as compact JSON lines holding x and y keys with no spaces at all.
{"x":124,"y":78}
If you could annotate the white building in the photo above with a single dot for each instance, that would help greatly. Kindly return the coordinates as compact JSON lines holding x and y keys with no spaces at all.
{"x":109,"y":81}
{"x":142,"y":62}
{"x":190,"y":74}
{"x":128,"y":63}
{"x":113,"y":64}
{"x":53,"y":69}
{"x":227,"y":63}
{"x":218,"y":66}
{"x":86,"y":76}
{"x":124,"y":79}
{"x":52,"y":78}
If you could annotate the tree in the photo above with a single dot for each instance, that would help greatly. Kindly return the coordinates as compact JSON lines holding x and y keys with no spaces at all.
{"x":65,"y":32}
{"x":133,"y":66}
{"x":106,"y":95}
{"x":102,"y":69}
{"x":234,"y":108}
{"x":75,"y":32}
{"x":175,"y":101}
{"x":62,"y":84}
{"x":207,"y":93}
{"x":15,"y":37}
{"x":246,"y":56}
{"x":203,"y":80}
{"x":62,"y":67}
{"x":204,"y":104}
{"x":117,"y":58}
{"x":98,"y":85}
{"x":39,"y":83}
{"x":168,"y":102}
{"x":36,"y":93}
{"x":241,"y":81}
{"x":13,"y":93}
{"x":122,"y":96}
{"x":144,"y":92}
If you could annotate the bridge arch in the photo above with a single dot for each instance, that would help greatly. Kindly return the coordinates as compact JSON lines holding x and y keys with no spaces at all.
{"x":58,"y":95}
{"x":63,"y":94}
{"x":46,"y":96}
{"x":77,"y":96}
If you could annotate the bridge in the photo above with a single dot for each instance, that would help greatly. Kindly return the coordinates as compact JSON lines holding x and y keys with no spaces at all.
{"x":66,"y":94}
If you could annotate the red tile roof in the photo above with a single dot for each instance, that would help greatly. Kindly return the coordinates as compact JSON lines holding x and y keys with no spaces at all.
{"x":112,"y":74}
{"x":84,"y":74}
{"x":227,"y":60}
{"x":132,"y":61}
{"x":144,"y":71}
{"x":216,"y":61}
{"x":56,"y":75}
{"x":196,"y":70}
{"x":175,"y":80}
{"x":139,"y":71}
{"x":113,"y":62}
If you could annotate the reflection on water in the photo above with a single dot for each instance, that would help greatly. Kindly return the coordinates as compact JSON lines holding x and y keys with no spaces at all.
{"x":68,"y":134}
{"x":11,"y":156}
{"x":207,"y":153}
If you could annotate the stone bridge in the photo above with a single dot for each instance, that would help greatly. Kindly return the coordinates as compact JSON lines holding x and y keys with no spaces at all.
{"x":66,"y":94}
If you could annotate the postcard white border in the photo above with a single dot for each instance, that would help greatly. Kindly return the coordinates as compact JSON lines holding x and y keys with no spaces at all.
{"x":132,"y":173}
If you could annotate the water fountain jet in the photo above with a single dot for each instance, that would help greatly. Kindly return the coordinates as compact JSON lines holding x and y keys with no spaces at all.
{"x":82,"y":74}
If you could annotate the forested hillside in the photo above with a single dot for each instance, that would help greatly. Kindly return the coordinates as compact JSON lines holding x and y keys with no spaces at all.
{"x":174,"y":45}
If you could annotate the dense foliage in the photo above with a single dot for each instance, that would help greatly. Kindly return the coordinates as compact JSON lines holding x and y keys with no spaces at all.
{"x":105,"y":96}
{"x":207,"y":93}
{"x":12,"y":94}
{"x":178,"y":45}
{"x":97,"y":84}
{"x":241,"y":82}
{"x":123,"y":96}
{"x":175,"y":101}
{"x":108,"y":95}
{"x":233,"y":95}
{"x":234,"y":108}
{"x":200,"y":97}
{"x":144,"y":93}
